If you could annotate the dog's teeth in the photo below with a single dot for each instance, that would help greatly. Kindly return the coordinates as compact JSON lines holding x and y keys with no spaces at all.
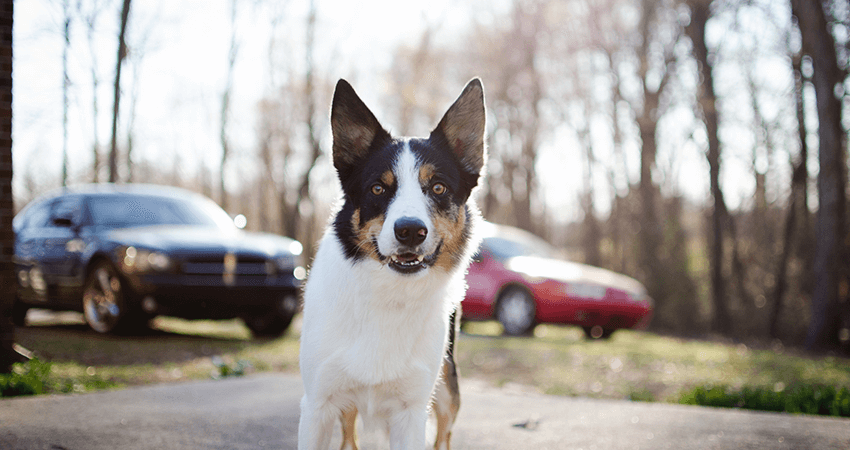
{"x":420,"y":258}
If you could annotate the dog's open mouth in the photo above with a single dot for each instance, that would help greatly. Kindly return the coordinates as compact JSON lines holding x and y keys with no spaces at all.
{"x":409,"y":262}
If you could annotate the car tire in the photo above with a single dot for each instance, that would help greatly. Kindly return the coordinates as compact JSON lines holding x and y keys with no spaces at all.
{"x":270,"y":325}
{"x":106,"y":304}
{"x":516,"y":311}
{"x":19,"y":314}
{"x":597,"y":332}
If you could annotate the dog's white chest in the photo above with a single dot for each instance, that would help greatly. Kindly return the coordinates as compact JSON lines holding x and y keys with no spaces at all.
{"x":370,"y":324}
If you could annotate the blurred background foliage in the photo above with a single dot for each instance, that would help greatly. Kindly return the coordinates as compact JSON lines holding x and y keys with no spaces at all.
{"x":696,"y":145}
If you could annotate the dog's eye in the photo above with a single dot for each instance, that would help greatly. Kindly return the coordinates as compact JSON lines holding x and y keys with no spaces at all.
{"x":377,"y":189}
{"x":439,"y":188}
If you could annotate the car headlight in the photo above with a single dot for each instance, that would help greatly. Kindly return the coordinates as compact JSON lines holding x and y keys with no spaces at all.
{"x":137,"y":260}
{"x":585,"y":291}
{"x":285,"y":262}
{"x":640,"y":297}
{"x":291,"y":263}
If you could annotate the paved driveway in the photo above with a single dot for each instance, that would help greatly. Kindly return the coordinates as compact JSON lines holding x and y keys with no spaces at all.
{"x":261,"y":411}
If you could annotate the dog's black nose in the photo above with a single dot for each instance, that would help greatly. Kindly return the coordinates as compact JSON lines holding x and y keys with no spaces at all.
{"x":410,"y":231}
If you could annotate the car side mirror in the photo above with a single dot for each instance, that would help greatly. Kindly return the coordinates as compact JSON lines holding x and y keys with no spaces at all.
{"x":62,"y":221}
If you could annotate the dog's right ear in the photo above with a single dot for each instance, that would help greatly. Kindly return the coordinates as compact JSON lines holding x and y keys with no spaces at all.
{"x":354,"y":127}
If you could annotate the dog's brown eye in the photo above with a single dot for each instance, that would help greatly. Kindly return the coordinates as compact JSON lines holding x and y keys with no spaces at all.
{"x":377,"y":189}
{"x":439,"y":188}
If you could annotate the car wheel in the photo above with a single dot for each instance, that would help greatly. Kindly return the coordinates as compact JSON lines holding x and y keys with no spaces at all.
{"x":597,"y":332}
{"x":516,"y":311}
{"x":270,"y":325}
{"x":105,"y":305}
{"x":19,"y":314}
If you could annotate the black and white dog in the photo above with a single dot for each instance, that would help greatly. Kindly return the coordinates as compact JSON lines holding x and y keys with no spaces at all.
{"x":382,"y":298}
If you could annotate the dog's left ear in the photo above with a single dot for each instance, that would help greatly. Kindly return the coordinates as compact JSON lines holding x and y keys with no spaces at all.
{"x":354,"y":127}
{"x":464,"y":126}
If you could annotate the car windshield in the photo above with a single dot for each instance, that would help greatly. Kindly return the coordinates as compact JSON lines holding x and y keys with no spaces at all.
{"x":509,"y":247}
{"x":124,"y":211}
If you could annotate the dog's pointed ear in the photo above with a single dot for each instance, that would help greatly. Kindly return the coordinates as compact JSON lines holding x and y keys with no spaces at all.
{"x":354,"y":127}
{"x":464,"y":126}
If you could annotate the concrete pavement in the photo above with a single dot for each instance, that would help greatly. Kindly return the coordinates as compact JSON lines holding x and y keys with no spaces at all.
{"x":261,"y":411}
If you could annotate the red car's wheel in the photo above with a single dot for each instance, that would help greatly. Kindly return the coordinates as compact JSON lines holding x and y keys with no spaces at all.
{"x":597,"y":332}
{"x":516,"y":311}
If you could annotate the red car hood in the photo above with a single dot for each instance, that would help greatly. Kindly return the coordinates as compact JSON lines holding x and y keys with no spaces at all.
{"x":572,"y":272}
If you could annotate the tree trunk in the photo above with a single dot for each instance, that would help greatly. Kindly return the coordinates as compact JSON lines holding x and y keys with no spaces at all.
{"x":95,"y":83}
{"x":8,"y":282}
{"x":225,"y":107}
{"x":797,"y":208}
{"x":700,"y":13}
{"x":819,"y":44}
{"x":122,"y":53}
{"x":303,"y":190}
{"x":66,"y":84}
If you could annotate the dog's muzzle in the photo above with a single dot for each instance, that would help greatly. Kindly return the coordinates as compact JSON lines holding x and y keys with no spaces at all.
{"x":410,"y":233}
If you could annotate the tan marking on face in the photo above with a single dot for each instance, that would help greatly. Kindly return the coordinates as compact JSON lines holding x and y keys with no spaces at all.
{"x":388,"y":178}
{"x":426,"y":172}
{"x":365,"y":235}
{"x":450,"y":225}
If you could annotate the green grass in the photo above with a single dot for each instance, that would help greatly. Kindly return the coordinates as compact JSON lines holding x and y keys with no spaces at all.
{"x":36,"y":377}
{"x":631,"y":365}
{"x":634,"y":365}
{"x":798,"y":398}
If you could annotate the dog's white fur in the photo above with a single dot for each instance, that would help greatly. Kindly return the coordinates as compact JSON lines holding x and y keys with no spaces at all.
{"x":350,"y":357}
{"x":374,"y":336}
{"x":410,"y":202}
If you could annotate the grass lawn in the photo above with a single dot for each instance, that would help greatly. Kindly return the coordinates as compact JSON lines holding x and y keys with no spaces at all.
{"x":557,"y":360}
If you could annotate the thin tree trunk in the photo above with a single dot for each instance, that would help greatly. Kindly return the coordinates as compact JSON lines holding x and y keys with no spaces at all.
{"x":122,"y":53}
{"x":303,"y":190}
{"x":90,"y":25}
{"x":799,"y":182}
{"x":225,"y":106}
{"x":707,"y":99}
{"x":66,"y":84}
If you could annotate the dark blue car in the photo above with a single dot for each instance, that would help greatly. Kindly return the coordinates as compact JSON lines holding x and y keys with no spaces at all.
{"x":122,"y":254}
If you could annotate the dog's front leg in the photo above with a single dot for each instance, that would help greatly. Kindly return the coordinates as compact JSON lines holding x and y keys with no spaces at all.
{"x":316,"y":425}
{"x":407,"y":429}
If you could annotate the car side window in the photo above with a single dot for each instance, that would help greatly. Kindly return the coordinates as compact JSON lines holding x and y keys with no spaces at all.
{"x":66,"y":212}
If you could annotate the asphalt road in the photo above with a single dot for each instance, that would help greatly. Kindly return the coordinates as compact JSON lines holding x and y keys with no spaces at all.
{"x":261,"y":411}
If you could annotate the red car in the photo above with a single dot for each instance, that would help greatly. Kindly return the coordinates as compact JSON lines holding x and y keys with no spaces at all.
{"x":517,"y":279}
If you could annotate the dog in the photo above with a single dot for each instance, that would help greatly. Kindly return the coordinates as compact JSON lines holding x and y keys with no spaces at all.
{"x":381,"y":304}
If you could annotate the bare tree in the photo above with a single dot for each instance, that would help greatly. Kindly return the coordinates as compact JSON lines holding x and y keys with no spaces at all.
{"x":819,"y":44}
{"x":656,"y":36}
{"x":66,"y":85}
{"x":90,"y":18}
{"x":797,"y":214}
{"x":225,"y":104}
{"x":511,"y":57}
{"x":707,"y":100}
{"x":302,"y":191}
{"x":119,"y":62}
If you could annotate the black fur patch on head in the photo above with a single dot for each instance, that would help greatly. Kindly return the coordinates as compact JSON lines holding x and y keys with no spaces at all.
{"x":361,"y":205}
{"x":450,"y":163}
